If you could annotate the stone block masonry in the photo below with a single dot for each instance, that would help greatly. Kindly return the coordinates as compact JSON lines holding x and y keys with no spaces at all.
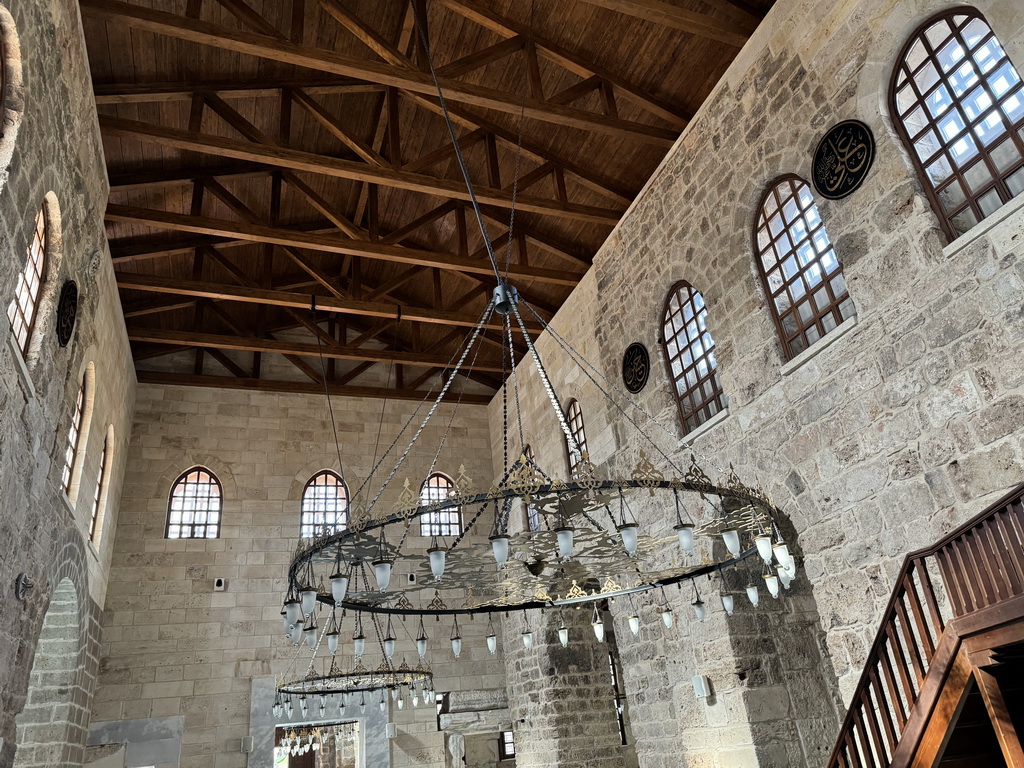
{"x":174,"y":647}
{"x":908,"y":424}
{"x":51,"y":144}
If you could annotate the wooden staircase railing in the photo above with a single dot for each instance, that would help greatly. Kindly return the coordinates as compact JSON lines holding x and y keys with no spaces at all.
{"x":979,"y":564}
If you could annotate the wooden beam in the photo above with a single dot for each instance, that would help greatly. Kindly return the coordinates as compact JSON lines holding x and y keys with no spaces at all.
{"x":182,"y":90}
{"x":304,"y":349}
{"x":300,"y":387}
{"x":570,"y":60}
{"x":274,"y":49}
{"x":326,"y":243}
{"x":734,"y":33}
{"x":206,"y":290}
{"x":296,"y":160}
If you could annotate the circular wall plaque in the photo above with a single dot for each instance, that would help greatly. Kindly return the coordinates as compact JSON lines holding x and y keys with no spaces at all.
{"x":67,"y":312}
{"x":636,"y":367}
{"x":843,"y":159}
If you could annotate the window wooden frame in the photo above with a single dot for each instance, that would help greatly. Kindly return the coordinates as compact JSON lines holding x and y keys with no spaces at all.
{"x":574,"y":418}
{"x":99,"y":495}
{"x":699,"y":401}
{"x":311,"y":494}
{"x":74,"y":436}
{"x":23,"y":311}
{"x":964,"y":191}
{"x":205,"y":479}
{"x":445,"y":522}
{"x":826,"y":298}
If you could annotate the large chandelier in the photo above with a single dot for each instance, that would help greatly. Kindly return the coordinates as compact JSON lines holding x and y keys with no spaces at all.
{"x":605,"y":533}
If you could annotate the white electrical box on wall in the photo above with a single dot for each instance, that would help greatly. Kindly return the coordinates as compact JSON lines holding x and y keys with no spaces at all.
{"x":701,"y":686}
{"x":391,"y":730}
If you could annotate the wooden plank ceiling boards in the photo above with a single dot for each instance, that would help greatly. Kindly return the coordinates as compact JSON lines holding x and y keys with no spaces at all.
{"x":266,"y":156}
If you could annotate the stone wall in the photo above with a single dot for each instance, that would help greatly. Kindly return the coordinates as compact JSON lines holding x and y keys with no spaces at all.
{"x":50,"y":147}
{"x":874,"y":445}
{"x":172,"y":646}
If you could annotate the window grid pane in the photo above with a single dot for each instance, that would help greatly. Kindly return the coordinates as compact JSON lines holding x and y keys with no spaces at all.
{"x":574,"y":415}
{"x":324,"y":506}
{"x":195,"y":505}
{"x":446,"y":522}
{"x":801,"y":272}
{"x":958,"y":103}
{"x":22,"y":310}
{"x":74,"y":431}
{"x":101,"y":481}
{"x":690,"y":352}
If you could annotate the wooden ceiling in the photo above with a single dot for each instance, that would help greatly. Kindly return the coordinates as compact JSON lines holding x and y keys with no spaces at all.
{"x":263,"y":152}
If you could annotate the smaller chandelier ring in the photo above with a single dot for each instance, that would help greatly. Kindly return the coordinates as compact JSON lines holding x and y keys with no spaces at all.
{"x":357,"y":681}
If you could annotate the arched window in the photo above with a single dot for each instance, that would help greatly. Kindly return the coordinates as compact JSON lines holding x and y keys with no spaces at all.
{"x":574,"y":417}
{"x":194,"y":508}
{"x":324,"y":505}
{"x":22,"y":310}
{"x":78,"y":430}
{"x":446,"y":521}
{"x":532,"y":513}
{"x":801,"y":274}
{"x":690,"y":355}
{"x":99,"y":498}
{"x":958,"y":104}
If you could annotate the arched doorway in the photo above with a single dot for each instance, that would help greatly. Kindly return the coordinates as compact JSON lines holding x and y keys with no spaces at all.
{"x":43,"y":725}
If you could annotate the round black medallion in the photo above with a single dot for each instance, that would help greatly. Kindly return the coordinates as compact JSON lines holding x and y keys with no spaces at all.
{"x":843,"y":159}
{"x":636,"y":367}
{"x":67,"y":312}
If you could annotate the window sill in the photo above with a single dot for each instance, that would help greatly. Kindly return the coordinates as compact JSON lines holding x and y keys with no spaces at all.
{"x":92,"y":549}
{"x":707,"y":426}
{"x":823,"y":343}
{"x":22,"y":367}
{"x":984,"y":226}
{"x":69,"y":504}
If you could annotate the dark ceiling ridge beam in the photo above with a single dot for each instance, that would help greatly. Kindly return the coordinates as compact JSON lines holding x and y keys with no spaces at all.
{"x":288,"y":299}
{"x":301,"y":387}
{"x":268,"y":47}
{"x":297,"y":160}
{"x":327,"y":243}
{"x":304,"y":349}
{"x":734,"y":33}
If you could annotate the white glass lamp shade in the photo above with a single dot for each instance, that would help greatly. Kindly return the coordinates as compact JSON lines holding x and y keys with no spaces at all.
{"x":401,"y":702}
{"x":634,"y":625}
{"x":382,"y":703}
{"x":382,"y":572}
{"x":303,"y":706}
{"x":700,"y":610}
{"x":527,"y":640}
{"x":790,"y":567}
{"x":362,"y":703}
{"x":599,"y":630}
{"x":781,"y":552}
{"x":764,"y":546}
{"x":784,"y":576}
{"x":729,"y":604}
{"x":563,"y":636}
{"x":332,"y":641}
{"x":753,"y":595}
{"x":565,"y":542}
{"x":289,"y":708}
{"x":394,"y":694}
{"x":456,"y":647}
{"x":492,"y":644}
{"x":339,"y":586}
{"x":293,"y":610}
{"x":499,"y":546}
{"x":668,"y":617}
{"x":732,"y":541}
{"x":772,"y":582}
{"x":415,"y":698}
{"x":308,"y":598}
{"x":323,"y":713}
{"x":310,"y":635}
{"x":278,"y":710}
{"x":421,"y":646}
{"x":686,"y":539}
{"x":358,"y":645}
{"x":629,"y":534}
{"x":284,"y":620}
{"x":437,"y":557}
{"x":389,"y":647}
